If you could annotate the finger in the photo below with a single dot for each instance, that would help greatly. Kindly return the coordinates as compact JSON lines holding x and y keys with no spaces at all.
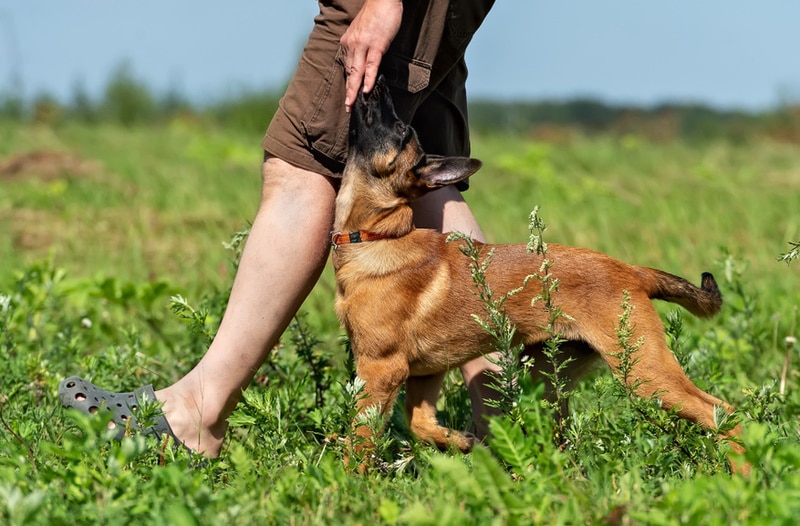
{"x":371,"y":69}
{"x":351,"y":91}
{"x":355,"y":77}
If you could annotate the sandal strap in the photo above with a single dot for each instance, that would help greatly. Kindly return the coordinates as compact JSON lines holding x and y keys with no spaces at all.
{"x":121,"y":405}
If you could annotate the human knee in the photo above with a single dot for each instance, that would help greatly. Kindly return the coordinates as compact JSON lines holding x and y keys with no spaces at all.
{"x":275,"y":175}
{"x":279,"y":178}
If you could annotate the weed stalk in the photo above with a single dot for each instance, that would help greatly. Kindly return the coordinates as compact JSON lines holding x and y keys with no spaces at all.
{"x":305,"y":343}
{"x":506,"y":380}
{"x":792,"y":254}
{"x":789,"y":342}
{"x":552,"y":346}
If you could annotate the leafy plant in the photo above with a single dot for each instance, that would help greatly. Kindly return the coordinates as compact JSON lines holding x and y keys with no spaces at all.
{"x":506,"y":381}
{"x":792,"y":254}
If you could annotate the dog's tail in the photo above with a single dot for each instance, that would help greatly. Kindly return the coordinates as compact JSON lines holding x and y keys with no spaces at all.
{"x":704,"y":301}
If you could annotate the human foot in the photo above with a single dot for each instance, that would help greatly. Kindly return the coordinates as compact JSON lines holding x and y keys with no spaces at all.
{"x":189,"y":423}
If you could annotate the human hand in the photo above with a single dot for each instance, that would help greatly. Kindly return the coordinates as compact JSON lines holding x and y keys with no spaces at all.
{"x":365,"y":42}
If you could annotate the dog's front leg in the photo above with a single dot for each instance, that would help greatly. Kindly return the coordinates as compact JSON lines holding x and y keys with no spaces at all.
{"x":421,"y":395}
{"x":382,"y":381}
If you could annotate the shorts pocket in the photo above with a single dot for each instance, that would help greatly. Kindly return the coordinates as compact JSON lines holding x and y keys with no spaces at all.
{"x":411,"y":75}
{"x":325,"y":122}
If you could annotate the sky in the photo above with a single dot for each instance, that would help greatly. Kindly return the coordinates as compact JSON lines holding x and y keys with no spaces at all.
{"x":724,"y":53}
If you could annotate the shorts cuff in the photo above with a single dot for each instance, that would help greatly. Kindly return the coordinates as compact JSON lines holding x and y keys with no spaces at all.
{"x":304,"y":159}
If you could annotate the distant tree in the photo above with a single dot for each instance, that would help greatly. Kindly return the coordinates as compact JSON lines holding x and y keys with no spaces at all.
{"x":127,"y":100}
{"x":47,"y":110}
{"x":12,"y":106}
{"x":592,"y":114}
{"x":250,"y":111}
{"x":174,"y":103}
{"x":81,"y":106}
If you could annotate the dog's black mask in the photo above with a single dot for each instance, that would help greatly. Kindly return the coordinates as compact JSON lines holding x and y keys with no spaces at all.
{"x":374,"y":125}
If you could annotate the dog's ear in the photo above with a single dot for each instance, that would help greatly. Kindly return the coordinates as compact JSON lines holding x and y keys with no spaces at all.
{"x":441,"y":171}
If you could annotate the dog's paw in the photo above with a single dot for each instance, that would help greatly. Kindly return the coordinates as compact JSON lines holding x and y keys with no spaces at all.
{"x":463,"y":441}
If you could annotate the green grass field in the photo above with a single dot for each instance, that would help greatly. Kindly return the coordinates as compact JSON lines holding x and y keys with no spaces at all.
{"x":102,"y":225}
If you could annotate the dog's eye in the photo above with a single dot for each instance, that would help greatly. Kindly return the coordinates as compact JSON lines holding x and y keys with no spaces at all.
{"x":389,"y":165}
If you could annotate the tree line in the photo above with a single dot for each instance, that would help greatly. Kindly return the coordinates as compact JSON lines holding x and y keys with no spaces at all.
{"x":128,"y":101}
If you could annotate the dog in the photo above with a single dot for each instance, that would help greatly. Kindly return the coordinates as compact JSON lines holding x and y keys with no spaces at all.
{"x":405,"y":296}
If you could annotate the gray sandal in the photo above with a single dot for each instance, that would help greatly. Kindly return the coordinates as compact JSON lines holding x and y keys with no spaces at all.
{"x":77,"y":393}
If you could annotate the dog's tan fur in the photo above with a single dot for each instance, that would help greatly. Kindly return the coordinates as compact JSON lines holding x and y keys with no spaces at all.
{"x":406,"y":301}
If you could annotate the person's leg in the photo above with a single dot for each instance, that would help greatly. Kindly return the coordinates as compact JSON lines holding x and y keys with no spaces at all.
{"x":285,"y":253}
{"x":289,"y":240}
{"x":445,"y":210}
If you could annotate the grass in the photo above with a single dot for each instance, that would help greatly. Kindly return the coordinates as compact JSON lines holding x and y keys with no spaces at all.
{"x":96,"y":242}
{"x":151,"y":202}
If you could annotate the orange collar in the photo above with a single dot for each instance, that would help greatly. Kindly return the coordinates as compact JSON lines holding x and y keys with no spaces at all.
{"x":346,"y":238}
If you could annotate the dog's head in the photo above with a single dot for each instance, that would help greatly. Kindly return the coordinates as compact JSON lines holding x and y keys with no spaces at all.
{"x":385,"y":149}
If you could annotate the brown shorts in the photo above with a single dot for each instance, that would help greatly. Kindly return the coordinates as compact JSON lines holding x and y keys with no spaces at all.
{"x":424,"y":67}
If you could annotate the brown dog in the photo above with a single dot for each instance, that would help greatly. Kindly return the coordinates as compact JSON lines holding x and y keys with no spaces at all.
{"x":406,"y":295}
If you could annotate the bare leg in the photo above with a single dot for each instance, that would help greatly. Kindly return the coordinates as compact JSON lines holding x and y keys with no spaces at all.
{"x":446,"y":210}
{"x":282,"y":260}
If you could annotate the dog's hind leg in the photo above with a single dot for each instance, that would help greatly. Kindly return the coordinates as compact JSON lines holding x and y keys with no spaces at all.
{"x":671,"y":385}
{"x":421,"y":395}
{"x":655,"y":371}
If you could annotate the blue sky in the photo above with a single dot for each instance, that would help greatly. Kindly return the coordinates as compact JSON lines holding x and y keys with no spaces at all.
{"x":727,"y":53}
